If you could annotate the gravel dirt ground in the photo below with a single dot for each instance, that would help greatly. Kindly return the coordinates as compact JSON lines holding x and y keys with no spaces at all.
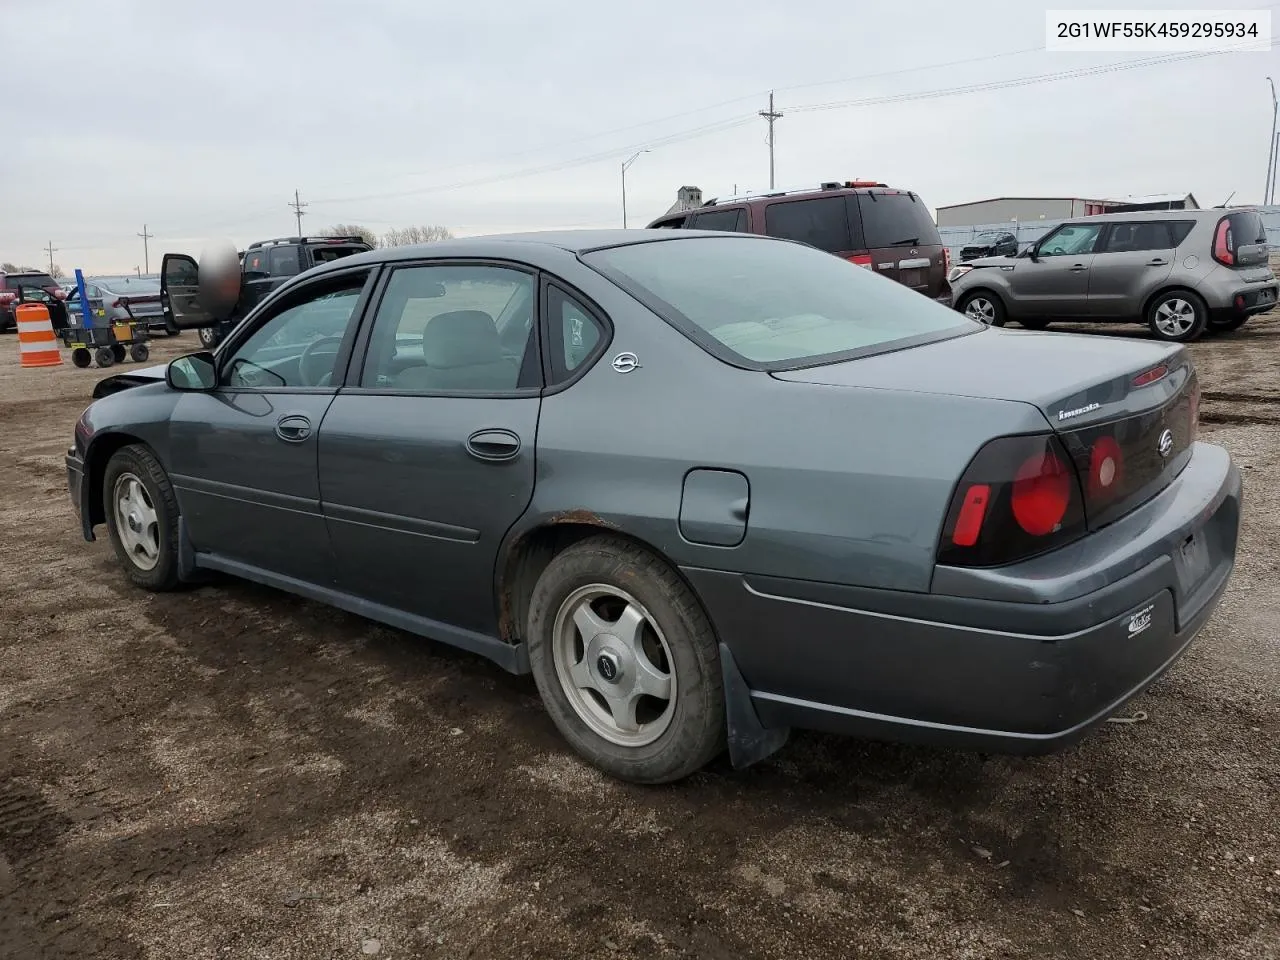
{"x":232,"y":772}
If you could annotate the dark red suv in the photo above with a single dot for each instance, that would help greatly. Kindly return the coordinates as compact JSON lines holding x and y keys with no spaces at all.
{"x":886,"y":230}
{"x":30,"y":286}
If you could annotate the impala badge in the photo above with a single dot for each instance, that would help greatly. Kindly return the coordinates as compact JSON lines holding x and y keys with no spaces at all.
{"x":626,"y":362}
{"x":1165,"y":446}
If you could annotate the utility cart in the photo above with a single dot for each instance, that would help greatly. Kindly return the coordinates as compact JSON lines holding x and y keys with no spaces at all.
{"x":107,"y":343}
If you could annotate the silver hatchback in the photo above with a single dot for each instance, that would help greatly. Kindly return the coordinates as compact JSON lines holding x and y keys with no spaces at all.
{"x":1178,"y":271}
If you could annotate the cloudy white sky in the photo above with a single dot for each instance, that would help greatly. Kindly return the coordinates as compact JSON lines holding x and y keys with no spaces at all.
{"x":201,"y":119}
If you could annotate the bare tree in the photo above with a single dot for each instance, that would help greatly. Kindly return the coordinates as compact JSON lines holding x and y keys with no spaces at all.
{"x":57,"y":272}
{"x":404,"y":236}
{"x":352,"y":230}
{"x":8,"y":267}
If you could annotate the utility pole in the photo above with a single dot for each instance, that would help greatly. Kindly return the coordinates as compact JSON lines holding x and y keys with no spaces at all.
{"x":138,"y":270}
{"x":51,"y":250}
{"x":1268,"y":190}
{"x":146,"y":253}
{"x":771,"y":115}
{"x":297,"y":210}
{"x":625,"y":164}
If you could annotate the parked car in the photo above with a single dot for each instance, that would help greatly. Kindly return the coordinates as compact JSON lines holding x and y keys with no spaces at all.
{"x":29,"y":286}
{"x":119,"y":300}
{"x":265,"y":265}
{"x":1178,"y":271}
{"x":992,"y":243}
{"x":706,"y":487}
{"x":890,"y":232}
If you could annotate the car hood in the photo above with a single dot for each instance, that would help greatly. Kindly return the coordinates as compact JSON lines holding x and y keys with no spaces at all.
{"x":123,"y":381}
{"x":991,"y":261}
{"x":1074,"y":379}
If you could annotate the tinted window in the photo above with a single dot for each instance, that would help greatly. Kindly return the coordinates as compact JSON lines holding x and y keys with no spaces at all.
{"x":441,"y":329}
{"x":1247,"y":229}
{"x":766,"y":302}
{"x":821,"y":222}
{"x":672,"y":224}
{"x":895,"y":220}
{"x":277,"y":355}
{"x":1135,"y":237}
{"x":729,"y":220}
{"x":1179,"y":230}
{"x":178,"y":273}
{"x":255,"y":261}
{"x":1070,"y":239}
{"x":333,"y":251}
{"x":575,"y":328}
{"x":283,"y":261}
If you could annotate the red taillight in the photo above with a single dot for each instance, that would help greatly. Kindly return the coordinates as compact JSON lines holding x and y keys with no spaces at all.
{"x":1106,"y":468}
{"x":1041,"y":494}
{"x":1223,"y":247}
{"x":946,"y":260}
{"x":1150,"y":376}
{"x":7,"y":296}
{"x":862,"y":260}
{"x":972,"y":510}
{"x":1019,"y":497}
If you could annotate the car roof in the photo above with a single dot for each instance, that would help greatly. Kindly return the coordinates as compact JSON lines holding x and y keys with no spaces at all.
{"x":529,"y":246}
{"x":1140,"y":215}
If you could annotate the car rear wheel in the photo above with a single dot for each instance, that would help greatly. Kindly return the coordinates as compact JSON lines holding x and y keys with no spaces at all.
{"x":626,"y":662}
{"x":984,"y":307}
{"x":209,"y":337}
{"x":142,"y":517}
{"x":1178,"y":316}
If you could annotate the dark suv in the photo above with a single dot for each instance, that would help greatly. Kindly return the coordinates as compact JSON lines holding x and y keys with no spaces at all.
{"x":264,"y":266}
{"x":30,"y":287}
{"x":885,"y":230}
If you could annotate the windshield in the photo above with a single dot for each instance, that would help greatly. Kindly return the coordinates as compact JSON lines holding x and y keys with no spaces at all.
{"x":138,"y":286}
{"x":772,"y":303}
{"x":990,"y":237}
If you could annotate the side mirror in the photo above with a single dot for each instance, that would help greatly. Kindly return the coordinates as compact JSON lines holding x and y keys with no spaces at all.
{"x":196,"y":371}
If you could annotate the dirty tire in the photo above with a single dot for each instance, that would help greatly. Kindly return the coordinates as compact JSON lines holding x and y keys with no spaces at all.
{"x":81,"y":357}
{"x":139,"y":352}
{"x":138,"y":461}
{"x":695,"y":729}
{"x":984,"y":307}
{"x":1177,"y":316}
{"x":118,"y":351}
{"x":105,"y":356}
{"x":208,"y":337}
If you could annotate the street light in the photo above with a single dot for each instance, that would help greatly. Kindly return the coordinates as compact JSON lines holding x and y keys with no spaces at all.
{"x":1271,"y":144}
{"x":625,"y":164}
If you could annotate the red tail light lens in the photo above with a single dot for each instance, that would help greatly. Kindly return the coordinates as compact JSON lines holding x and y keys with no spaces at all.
{"x":863,"y":260}
{"x":1223,"y":246}
{"x":1020,"y":496}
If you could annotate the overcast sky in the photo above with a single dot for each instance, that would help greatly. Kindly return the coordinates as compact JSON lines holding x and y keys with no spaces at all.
{"x":201,"y":119}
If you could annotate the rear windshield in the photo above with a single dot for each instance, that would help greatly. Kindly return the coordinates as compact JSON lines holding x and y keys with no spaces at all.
{"x":768,"y":304}
{"x":40,"y":281}
{"x":1247,"y":228}
{"x":896,"y":220}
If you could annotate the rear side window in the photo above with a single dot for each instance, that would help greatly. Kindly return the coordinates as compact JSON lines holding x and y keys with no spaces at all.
{"x":758,"y":303}
{"x":896,"y":220}
{"x":1136,"y":237}
{"x":729,"y":220}
{"x":673,"y":223}
{"x":283,"y":261}
{"x":1179,"y":230}
{"x":821,"y":223}
{"x":333,"y":251}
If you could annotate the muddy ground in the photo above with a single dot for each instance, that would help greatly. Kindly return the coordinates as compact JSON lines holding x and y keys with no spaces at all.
{"x":231,"y":772}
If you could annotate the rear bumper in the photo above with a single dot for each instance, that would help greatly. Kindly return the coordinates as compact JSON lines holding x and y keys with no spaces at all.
{"x":992,"y":674}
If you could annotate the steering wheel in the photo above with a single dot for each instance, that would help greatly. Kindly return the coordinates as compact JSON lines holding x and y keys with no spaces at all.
{"x":312,"y":355}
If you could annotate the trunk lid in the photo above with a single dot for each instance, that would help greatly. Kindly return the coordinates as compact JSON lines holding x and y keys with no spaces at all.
{"x":1130,"y":402}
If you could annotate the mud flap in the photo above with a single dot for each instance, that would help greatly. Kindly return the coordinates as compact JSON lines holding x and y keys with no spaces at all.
{"x":187,"y":571}
{"x":749,"y":740}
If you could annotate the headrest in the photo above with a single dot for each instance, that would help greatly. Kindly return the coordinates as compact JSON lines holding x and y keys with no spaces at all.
{"x":461,"y":338}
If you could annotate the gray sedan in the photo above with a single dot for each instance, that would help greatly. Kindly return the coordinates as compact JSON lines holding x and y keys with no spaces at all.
{"x":705,"y":487}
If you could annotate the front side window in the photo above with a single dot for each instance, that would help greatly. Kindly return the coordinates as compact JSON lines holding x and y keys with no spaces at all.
{"x":773,"y":304}
{"x":298,"y":346}
{"x":452,"y":328}
{"x":1070,"y":240}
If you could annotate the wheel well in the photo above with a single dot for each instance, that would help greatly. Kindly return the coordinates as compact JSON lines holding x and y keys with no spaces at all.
{"x":95,"y":468}
{"x":989,"y":291}
{"x":1173,"y":287}
{"x":534,"y":550}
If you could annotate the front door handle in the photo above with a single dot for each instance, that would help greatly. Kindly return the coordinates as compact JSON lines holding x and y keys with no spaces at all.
{"x":1077,"y":268}
{"x":1157,"y":262}
{"x":293,"y":428}
{"x":493,"y":445}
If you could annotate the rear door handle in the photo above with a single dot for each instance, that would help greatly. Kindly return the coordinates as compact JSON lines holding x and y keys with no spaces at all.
{"x":1078,"y":268}
{"x":1156,"y":263}
{"x":293,"y":428}
{"x":493,"y":445}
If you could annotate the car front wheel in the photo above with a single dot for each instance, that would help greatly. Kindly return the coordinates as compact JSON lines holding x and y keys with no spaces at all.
{"x":142,"y":517}
{"x":209,"y":337}
{"x":1178,"y":316}
{"x":984,"y":307}
{"x":626,"y":662}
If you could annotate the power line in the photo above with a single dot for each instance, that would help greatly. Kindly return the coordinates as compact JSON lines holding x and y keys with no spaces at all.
{"x":298,"y":207}
{"x":771,"y":116}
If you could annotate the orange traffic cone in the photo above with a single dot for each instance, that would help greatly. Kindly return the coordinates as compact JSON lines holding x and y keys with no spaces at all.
{"x":37,"y":342}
